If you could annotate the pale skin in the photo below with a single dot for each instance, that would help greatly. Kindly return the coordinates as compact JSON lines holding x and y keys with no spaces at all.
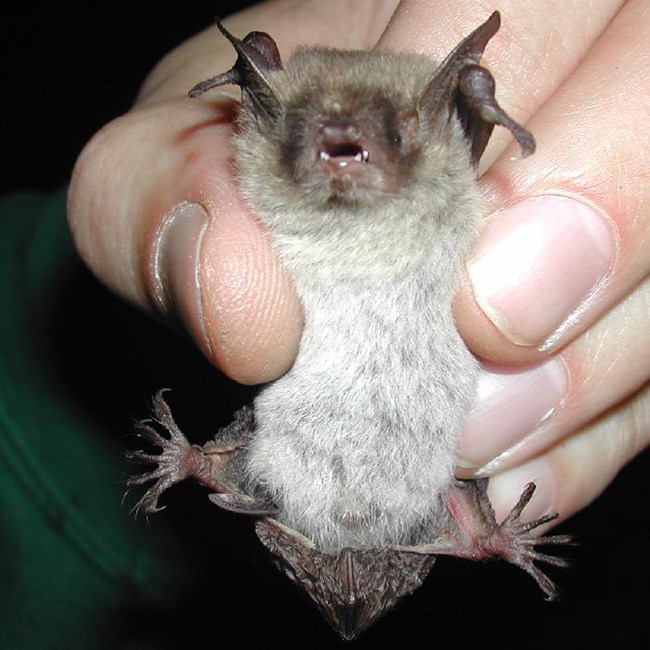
{"x":565,"y":345}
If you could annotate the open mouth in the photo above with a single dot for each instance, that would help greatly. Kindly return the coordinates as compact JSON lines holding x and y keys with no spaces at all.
{"x":343,"y":153}
{"x":340,"y":144}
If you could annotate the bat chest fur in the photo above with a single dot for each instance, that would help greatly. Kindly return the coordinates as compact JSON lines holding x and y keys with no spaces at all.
{"x":356,"y":442}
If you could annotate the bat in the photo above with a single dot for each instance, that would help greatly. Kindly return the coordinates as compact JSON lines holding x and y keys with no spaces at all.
{"x":362,"y":165}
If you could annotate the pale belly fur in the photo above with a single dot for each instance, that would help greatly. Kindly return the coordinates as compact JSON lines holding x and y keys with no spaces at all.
{"x":356,"y":442}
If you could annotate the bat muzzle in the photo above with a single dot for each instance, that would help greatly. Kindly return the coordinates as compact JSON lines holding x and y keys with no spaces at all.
{"x":340,"y":145}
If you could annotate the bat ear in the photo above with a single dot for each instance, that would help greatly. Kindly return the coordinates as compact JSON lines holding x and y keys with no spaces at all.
{"x":257,"y":54}
{"x":462,"y":86}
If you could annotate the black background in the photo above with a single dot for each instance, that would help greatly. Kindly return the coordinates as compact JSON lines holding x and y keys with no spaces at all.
{"x":65,"y":73}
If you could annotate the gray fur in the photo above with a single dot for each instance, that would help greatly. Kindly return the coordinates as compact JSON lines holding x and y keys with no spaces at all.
{"x":356,"y":442}
{"x":361,"y":165}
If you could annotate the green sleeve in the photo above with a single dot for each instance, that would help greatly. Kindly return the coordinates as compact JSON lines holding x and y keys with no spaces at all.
{"x":71,"y":557}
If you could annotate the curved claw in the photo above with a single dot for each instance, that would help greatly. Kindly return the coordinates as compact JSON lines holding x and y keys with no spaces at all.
{"x":176,"y":463}
{"x":179,"y":460}
{"x":513,"y":542}
{"x":473,"y":533}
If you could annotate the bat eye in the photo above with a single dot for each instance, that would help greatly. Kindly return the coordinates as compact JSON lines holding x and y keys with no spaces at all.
{"x":407,"y":131}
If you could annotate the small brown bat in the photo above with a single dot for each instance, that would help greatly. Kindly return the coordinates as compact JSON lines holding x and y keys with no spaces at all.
{"x":363,"y":167}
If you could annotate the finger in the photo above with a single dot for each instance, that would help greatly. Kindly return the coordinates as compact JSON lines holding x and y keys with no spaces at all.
{"x":568,"y":478}
{"x":530,"y":56}
{"x":523,"y":412}
{"x":573,"y":244}
{"x":155,"y":210}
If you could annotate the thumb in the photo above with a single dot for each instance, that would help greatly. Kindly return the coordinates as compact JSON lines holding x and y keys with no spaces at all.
{"x":154,"y":206}
{"x":155,"y":213}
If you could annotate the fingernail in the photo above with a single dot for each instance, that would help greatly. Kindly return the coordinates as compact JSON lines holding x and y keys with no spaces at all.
{"x":508,"y":407}
{"x":537,"y":264}
{"x":505,"y":489}
{"x":175,"y":267}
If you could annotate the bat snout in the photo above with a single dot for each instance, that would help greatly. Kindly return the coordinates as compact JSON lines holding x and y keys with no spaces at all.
{"x":340,"y":130}
{"x":340,"y":143}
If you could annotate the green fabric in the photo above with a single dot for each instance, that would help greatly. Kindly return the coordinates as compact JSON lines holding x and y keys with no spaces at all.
{"x":70,"y":554}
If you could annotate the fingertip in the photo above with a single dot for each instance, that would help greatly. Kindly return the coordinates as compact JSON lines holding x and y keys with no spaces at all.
{"x":510,"y":408}
{"x":251,"y":315}
{"x":213,"y":270}
{"x":155,"y":212}
{"x":505,"y":490}
{"x":535,"y":278}
{"x":538,"y":265}
{"x":481,"y":335}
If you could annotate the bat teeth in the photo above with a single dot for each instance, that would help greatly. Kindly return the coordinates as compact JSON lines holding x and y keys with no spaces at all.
{"x":340,"y":143}
{"x":344,"y":152}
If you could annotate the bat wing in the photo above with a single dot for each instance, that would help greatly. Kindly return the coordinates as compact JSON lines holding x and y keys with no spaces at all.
{"x":353,"y":588}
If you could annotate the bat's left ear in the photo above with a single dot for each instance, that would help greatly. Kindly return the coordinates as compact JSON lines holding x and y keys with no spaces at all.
{"x":462,"y":86}
{"x":257,"y":55}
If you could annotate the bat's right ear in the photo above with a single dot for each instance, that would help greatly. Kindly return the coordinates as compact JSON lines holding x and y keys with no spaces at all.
{"x":461,"y":86}
{"x":257,"y":54}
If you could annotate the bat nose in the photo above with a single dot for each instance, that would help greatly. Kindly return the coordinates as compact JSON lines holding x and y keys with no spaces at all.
{"x":340,"y":130}
{"x":340,"y":143}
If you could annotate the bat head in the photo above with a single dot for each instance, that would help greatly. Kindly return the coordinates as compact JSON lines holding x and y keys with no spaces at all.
{"x":353,"y":588}
{"x":354,"y":127}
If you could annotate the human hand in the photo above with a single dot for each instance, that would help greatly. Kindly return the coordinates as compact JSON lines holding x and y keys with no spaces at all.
{"x":155,"y":213}
{"x":555,"y":295}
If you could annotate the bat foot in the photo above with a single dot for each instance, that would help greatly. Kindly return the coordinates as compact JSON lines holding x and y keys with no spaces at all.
{"x":473,"y":533}
{"x":177,"y":461}
{"x":514,"y":541}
